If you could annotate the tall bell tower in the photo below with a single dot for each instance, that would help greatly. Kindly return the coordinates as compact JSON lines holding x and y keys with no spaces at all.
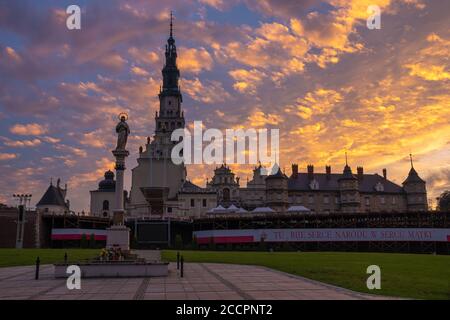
{"x":157,"y":179}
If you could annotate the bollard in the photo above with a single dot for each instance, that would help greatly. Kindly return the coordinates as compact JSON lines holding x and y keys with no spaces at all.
{"x":182,"y":267}
{"x":38,"y":262}
{"x":178,"y":260}
{"x":65,"y":258}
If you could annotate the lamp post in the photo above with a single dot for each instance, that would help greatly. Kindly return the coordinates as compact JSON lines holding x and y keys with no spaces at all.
{"x":23,"y":200}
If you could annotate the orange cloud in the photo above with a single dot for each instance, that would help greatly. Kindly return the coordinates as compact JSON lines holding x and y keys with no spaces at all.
{"x":32,"y":129}
{"x":8,"y":156}
{"x":195,"y":60}
{"x":246,"y":80}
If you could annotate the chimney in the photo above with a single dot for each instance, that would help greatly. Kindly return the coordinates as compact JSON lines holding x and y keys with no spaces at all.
{"x":294,"y":170}
{"x":385,"y":173}
{"x":310,"y":171}
{"x":328,"y":172}
{"x":360,"y":171}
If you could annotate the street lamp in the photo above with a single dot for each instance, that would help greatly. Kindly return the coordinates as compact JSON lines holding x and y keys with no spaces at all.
{"x":23,"y":200}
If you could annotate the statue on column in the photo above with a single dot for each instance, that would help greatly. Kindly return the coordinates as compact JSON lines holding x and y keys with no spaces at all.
{"x":122,"y":130}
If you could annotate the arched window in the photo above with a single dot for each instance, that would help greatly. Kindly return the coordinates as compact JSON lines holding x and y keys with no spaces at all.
{"x":106,"y":205}
{"x":226,"y":194}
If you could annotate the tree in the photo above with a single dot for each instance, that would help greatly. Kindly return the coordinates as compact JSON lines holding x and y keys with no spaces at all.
{"x":444,"y":201}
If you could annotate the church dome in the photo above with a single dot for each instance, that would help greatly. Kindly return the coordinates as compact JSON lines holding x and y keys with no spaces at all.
{"x":108,"y":184}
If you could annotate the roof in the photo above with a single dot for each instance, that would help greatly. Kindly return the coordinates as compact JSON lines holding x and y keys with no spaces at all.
{"x":278,"y":174}
{"x":53,"y":196}
{"x":413,"y":176}
{"x":108,"y":184}
{"x":189,"y":187}
{"x":366,"y":184}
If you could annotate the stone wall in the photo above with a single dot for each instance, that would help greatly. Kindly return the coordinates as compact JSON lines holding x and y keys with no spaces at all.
{"x":8,"y":228}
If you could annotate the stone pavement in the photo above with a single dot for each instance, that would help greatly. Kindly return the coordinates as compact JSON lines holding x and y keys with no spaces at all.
{"x":201,"y":281}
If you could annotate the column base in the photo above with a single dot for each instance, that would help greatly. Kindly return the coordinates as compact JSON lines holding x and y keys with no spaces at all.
{"x":118,"y":237}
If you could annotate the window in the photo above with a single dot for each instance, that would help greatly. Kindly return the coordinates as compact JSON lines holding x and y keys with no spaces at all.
{"x":169,"y":209}
{"x":204,"y":203}
{"x":382,"y":200}
{"x":311,"y":199}
{"x":106,"y":205}
{"x":367,"y":201}
{"x":394,"y":200}
{"x":192,"y":203}
{"x":326,"y":199}
{"x":379,"y":187}
{"x":226,"y":194}
{"x":314,"y":185}
{"x":105,"y":214}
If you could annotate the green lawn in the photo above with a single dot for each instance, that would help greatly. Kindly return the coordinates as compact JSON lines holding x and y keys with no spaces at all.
{"x":24,"y":257}
{"x":402,"y":275}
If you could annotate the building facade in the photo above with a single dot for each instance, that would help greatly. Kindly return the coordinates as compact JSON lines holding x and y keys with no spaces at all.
{"x":160,"y":187}
{"x":339,"y":192}
{"x":54,"y":200}
{"x":102,"y":199}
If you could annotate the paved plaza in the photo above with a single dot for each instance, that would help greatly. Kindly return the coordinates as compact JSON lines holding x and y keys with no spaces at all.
{"x":201,"y":281}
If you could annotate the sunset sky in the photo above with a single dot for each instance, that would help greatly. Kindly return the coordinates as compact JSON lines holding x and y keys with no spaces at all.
{"x":310,"y":68}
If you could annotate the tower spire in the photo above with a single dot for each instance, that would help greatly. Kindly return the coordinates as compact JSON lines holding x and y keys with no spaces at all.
{"x":171,"y":24}
{"x":411,"y":159}
{"x":346,"y":159}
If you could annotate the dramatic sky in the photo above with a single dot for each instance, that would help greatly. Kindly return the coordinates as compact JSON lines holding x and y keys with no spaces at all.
{"x":311,"y":68}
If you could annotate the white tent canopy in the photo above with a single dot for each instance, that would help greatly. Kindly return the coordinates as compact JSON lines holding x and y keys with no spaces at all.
{"x":263,"y":210}
{"x":298,"y":209}
{"x":242,"y":210}
{"x":218,"y":209}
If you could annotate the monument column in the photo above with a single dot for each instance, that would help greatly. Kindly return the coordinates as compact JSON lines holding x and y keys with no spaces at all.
{"x":118,"y":236}
{"x":119,"y":210}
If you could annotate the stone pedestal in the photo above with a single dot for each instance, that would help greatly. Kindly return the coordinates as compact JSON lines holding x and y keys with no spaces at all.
{"x":118,"y":237}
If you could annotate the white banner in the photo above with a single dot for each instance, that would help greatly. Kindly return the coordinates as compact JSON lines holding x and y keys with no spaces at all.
{"x":314,"y":235}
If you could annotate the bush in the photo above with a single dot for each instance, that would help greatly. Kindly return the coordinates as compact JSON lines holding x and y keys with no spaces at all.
{"x":83,"y":241}
{"x":133,"y":242}
{"x":211,"y":244}
{"x":178,"y":242}
{"x":194,"y":243}
{"x":92,"y":241}
{"x":262,"y":245}
{"x":286,"y":246}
